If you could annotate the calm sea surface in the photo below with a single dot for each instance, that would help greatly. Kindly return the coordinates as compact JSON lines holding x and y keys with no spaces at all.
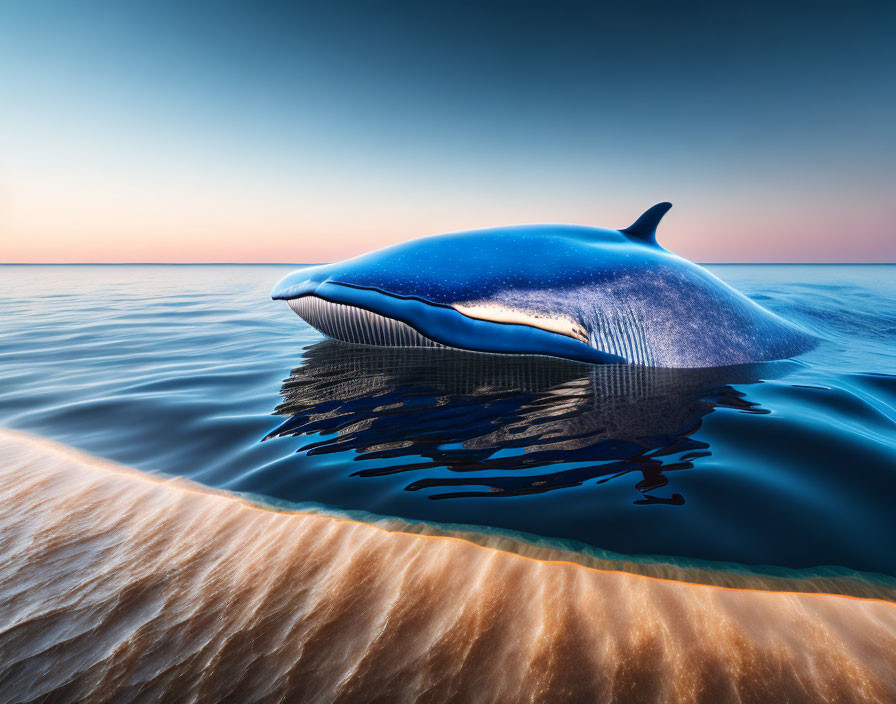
{"x":193,"y":371}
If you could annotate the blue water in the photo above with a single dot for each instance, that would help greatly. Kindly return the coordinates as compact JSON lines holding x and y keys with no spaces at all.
{"x":193,"y":371}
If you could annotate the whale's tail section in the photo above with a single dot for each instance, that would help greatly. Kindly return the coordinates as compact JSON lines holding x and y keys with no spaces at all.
{"x":644,"y":228}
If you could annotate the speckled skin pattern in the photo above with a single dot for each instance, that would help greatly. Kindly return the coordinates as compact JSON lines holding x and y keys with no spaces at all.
{"x":633,"y":300}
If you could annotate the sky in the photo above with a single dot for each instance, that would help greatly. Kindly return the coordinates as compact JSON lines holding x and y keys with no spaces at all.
{"x":308,"y":132}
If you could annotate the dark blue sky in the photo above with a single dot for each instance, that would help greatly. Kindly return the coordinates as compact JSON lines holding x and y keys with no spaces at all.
{"x":307,"y":131}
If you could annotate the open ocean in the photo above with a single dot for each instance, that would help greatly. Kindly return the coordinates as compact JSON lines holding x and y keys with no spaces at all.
{"x":193,"y":371}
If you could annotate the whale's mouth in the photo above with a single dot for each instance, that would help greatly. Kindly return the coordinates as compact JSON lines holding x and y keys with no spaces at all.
{"x":357,"y":325}
{"x":370,"y":316}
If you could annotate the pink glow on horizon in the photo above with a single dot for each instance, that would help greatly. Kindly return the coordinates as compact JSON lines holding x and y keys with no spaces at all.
{"x":706,"y":237}
{"x":49,"y":216}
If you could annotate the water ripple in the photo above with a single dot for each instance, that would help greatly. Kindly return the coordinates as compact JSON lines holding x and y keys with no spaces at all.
{"x":184,"y":370}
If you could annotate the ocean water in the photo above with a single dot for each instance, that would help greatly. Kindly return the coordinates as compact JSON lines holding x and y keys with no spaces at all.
{"x":192,"y":371}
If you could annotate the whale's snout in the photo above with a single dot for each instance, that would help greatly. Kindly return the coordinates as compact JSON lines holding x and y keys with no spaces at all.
{"x":291,"y":285}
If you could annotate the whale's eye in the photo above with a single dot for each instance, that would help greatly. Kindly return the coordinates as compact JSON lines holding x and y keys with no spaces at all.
{"x":358,"y":325}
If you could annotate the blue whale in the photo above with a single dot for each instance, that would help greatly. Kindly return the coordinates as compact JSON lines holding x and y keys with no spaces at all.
{"x":581,"y":293}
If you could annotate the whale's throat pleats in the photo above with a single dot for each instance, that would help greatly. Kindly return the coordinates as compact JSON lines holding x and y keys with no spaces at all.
{"x":621,"y":332}
{"x":353,"y":324}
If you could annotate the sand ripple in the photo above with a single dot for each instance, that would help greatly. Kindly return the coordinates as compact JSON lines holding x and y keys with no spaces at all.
{"x":115,"y":586}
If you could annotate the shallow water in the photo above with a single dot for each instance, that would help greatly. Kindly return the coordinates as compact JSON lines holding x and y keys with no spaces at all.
{"x":185,"y":370}
{"x":119,"y":588}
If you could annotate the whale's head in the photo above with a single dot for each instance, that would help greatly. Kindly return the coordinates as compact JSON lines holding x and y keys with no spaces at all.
{"x":581,"y":293}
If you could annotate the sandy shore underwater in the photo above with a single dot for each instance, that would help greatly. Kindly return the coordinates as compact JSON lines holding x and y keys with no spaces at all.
{"x":118,"y":586}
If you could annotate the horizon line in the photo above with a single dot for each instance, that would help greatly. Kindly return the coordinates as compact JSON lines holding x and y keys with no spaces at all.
{"x":704,"y":263}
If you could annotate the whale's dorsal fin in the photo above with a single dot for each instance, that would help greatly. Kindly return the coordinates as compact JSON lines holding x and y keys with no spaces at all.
{"x":644,"y":228}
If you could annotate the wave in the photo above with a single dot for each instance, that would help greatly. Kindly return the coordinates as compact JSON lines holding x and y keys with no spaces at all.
{"x":118,"y":586}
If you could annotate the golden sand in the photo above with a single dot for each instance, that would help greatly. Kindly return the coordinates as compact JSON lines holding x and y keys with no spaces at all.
{"x":117,"y":586}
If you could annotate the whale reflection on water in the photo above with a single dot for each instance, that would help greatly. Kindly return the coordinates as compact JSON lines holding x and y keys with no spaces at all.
{"x":640,"y":465}
{"x":506,"y":425}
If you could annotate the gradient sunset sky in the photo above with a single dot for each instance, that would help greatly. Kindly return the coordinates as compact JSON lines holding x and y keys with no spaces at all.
{"x":305,"y":132}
